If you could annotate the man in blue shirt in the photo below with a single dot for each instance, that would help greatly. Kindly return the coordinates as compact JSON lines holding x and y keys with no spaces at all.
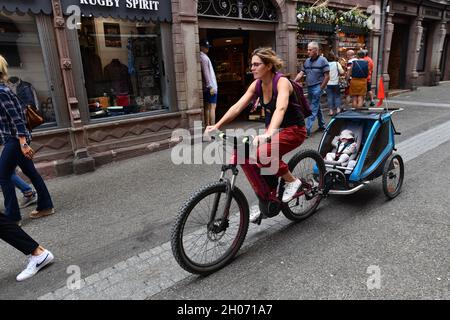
{"x":317,"y":73}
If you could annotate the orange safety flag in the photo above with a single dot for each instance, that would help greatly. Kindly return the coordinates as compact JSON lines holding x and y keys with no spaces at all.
{"x":380,"y":94}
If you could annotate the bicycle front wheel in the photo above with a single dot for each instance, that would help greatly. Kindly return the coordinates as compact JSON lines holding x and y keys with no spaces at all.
{"x":204,"y":239}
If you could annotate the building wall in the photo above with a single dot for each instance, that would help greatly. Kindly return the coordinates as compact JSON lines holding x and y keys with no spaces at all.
{"x":421,"y":17}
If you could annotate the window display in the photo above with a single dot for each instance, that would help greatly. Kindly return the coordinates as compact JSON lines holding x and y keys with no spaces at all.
{"x":20,"y":45}
{"x":350,"y":42}
{"x":122,"y":66}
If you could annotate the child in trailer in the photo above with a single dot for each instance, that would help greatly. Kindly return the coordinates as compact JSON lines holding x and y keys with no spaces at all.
{"x":344,"y":146}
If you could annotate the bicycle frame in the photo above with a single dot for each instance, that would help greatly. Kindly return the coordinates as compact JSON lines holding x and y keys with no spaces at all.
{"x":256,"y":180}
{"x":259,"y":185}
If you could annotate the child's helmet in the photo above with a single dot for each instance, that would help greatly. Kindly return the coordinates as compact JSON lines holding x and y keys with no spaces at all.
{"x":347,"y":134}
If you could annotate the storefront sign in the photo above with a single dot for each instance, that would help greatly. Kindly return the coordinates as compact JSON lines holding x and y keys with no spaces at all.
{"x":148,"y":10}
{"x":304,"y":39}
{"x":432,"y":13}
{"x":129,"y":4}
{"x":24,"y":6}
{"x":404,"y":8}
{"x":351,"y":42}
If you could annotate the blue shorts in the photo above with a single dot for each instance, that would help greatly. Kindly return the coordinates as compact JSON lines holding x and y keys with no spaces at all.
{"x":209,"y":98}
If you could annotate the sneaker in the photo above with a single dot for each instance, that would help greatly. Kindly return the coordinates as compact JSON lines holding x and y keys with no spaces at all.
{"x":291,"y":189}
{"x":35,"y":263}
{"x":255,"y":216}
{"x":372,"y":103}
{"x":28,"y":200}
{"x":41,"y":213}
{"x":320,"y":129}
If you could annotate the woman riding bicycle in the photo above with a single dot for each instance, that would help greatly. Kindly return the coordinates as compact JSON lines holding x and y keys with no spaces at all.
{"x":285,"y":124}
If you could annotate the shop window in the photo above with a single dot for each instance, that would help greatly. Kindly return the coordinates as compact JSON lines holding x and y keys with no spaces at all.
{"x":350,"y":42}
{"x":122,"y":65}
{"x":423,"y":51}
{"x":20,"y":45}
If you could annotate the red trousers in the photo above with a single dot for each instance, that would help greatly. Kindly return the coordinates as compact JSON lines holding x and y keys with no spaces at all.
{"x":281,"y":143}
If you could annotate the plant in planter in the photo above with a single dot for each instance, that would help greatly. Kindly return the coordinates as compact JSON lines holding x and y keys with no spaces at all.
{"x":354,"y":18}
{"x":316,"y":14}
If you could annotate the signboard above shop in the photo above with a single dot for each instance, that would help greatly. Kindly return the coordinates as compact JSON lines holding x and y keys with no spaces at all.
{"x":140,"y":10}
{"x":25,"y":6}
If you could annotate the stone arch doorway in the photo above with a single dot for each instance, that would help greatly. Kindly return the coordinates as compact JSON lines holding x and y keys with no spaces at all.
{"x":235,"y":28}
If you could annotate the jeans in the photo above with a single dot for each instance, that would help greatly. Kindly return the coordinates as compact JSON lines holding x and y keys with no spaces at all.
{"x":314,"y":94}
{"x":10,"y":158}
{"x":334,"y":97}
{"x":20,"y":184}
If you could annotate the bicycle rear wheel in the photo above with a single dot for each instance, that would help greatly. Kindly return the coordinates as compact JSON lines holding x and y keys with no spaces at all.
{"x":309,"y":167}
{"x":202,"y":245}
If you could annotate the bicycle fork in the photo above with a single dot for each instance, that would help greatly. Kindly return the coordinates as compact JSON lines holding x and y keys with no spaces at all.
{"x":220,"y":224}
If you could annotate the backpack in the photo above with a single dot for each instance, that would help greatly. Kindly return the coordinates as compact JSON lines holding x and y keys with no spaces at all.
{"x":300,"y":102}
{"x":360,"y":69}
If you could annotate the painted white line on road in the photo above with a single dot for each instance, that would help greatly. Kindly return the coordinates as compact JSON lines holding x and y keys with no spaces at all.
{"x":155,"y":270}
{"x":424,"y":142}
{"x":418,"y":103}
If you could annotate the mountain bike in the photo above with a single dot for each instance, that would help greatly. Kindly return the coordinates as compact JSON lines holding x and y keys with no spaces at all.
{"x":212,"y":224}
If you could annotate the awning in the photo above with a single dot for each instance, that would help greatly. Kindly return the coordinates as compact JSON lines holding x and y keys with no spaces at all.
{"x":317,"y":27}
{"x":25,"y":6}
{"x":140,"y":10}
{"x":354,"y":30}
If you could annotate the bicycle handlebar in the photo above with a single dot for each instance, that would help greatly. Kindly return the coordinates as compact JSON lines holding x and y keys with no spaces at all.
{"x":234,"y":139}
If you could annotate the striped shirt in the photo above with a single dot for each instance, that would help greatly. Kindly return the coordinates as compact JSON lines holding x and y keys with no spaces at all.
{"x":315,"y":70}
{"x":12,"y":117}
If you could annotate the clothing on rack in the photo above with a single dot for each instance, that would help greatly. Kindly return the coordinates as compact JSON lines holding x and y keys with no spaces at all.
{"x":130,"y":47}
{"x":93,"y":72}
{"x":116,"y":75}
{"x":9,"y":34}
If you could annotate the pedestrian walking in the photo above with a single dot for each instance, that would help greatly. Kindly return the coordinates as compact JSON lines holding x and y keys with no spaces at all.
{"x":317,"y":72}
{"x":350,"y":54}
{"x":15,"y":139}
{"x":38,"y":256}
{"x":209,"y":82}
{"x":369,"y":78}
{"x":333,"y":88}
{"x":29,"y":195}
{"x":358,"y":86}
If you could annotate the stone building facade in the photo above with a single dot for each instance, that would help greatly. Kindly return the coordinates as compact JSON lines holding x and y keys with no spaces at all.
{"x":119,"y":83}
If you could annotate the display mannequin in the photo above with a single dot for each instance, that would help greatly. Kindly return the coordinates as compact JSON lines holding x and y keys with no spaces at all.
{"x":24,"y":91}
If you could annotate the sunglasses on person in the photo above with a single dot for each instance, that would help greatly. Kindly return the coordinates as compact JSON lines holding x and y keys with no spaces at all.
{"x":255,"y":64}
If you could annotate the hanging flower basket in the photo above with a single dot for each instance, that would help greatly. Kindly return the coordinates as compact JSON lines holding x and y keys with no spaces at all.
{"x":316,"y":14}
{"x":322,"y":15}
{"x":354,"y":18}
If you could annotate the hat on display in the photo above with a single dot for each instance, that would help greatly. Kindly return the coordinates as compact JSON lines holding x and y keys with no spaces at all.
{"x":347,"y":134}
{"x":205,"y":43}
